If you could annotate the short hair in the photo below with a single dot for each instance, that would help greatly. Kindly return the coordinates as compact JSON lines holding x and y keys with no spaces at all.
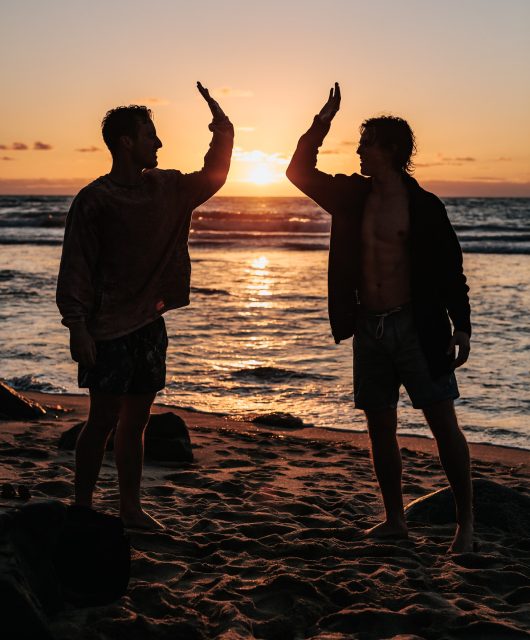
{"x":123,"y":121}
{"x":390,"y":130}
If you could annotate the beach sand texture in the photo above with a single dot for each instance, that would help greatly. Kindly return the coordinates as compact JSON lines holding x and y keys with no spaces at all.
{"x":260,"y":539}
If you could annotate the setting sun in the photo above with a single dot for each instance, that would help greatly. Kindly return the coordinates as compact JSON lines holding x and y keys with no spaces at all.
{"x":261,"y":175}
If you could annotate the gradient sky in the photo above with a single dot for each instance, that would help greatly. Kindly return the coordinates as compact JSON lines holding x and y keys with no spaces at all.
{"x":457,"y":70}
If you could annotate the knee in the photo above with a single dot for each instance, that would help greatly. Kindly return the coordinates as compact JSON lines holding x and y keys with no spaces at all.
{"x":381,"y":424}
{"x":136,"y":424}
{"x":101,"y":425}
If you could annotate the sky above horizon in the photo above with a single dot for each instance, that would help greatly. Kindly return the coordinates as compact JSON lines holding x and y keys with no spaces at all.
{"x":458,"y":71}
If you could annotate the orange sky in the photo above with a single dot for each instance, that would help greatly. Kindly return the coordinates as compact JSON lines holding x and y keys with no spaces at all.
{"x":457,"y":71}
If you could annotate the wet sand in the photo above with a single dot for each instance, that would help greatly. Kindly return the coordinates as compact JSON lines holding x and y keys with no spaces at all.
{"x":260,"y":538}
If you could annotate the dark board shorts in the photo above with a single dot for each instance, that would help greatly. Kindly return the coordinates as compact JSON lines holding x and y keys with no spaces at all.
{"x":387,"y":354}
{"x":134,"y":363}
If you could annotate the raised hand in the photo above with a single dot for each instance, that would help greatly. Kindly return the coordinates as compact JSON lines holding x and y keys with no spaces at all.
{"x":217,"y":113}
{"x":328,"y":111}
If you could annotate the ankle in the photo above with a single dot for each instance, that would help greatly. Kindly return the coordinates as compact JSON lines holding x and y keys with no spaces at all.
{"x":397,"y":520}
{"x":131,"y":508}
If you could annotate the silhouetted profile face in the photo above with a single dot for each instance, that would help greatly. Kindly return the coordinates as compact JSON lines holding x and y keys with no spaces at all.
{"x":374,"y":159}
{"x":144,"y":148}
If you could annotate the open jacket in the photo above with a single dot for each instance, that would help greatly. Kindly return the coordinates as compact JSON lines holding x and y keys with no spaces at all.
{"x":438,"y":284}
{"x":125,"y":257}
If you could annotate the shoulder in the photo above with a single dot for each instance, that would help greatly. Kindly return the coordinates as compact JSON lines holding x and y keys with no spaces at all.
{"x":424,"y":198}
{"x":163,"y":176}
{"x":359,"y":185}
{"x":90,"y":194}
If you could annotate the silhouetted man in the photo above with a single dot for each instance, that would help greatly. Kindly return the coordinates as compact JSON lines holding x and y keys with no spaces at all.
{"x":125,"y":262}
{"x":395,"y":272}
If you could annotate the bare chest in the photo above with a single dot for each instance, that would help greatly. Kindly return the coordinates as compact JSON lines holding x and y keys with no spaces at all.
{"x":386,"y":222}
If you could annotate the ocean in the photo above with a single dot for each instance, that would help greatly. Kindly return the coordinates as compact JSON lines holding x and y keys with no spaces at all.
{"x":256,"y":336}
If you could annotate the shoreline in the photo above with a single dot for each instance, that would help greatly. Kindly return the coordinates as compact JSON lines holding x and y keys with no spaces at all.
{"x":487,"y":452}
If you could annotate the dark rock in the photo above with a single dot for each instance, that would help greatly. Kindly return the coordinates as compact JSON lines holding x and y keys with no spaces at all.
{"x":167,"y":438}
{"x":279,"y":419}
{"x":8,"y":491}
{"x":92,"y":558}
{"x":494,"y":505}
{"x":51,"y":554}
{"x":68,"y":438}
{"x":34,"y":534}
{"x":13,"y":405}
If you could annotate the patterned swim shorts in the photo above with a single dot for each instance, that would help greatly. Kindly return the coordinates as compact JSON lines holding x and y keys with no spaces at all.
{"x":134,"y":363}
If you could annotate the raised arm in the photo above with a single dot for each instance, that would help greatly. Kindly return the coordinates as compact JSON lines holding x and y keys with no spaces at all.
{"x":203,"y":184}
{"x":326,"y":190}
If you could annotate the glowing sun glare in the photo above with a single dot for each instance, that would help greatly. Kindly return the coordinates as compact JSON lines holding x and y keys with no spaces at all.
{"x":261,"y":175}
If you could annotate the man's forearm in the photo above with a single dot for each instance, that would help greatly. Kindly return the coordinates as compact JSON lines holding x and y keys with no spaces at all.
{"x":218,"y":157}
{"x":304,"y":160}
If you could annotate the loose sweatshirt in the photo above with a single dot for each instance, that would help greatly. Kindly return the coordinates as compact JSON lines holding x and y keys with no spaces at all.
{"x":125,"y":257}
{"x":438,"y":283}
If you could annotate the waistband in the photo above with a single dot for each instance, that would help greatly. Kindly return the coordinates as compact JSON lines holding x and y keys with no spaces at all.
{"x":403,"y":308}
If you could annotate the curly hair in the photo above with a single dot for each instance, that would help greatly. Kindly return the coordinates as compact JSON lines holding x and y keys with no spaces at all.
{"x":123,"y":121}
{"x":392,"y":130}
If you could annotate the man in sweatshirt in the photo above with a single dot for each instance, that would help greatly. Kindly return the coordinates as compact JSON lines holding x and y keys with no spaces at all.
{"x":395,"y":273}
{"x":125,"y":262}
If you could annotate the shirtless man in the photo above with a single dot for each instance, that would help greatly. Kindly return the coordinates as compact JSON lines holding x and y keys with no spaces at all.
{"x":395,"y":273}
{"x":125,"y":262}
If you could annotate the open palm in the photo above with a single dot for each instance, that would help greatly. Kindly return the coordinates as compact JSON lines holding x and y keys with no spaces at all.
{"x":217,"y":113}
{"x":328,"y":111}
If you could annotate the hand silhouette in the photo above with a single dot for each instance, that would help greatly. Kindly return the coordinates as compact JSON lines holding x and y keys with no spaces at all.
{"x":217,"y":113}
{"x":331,"y":107}
{"x":460,"y":339}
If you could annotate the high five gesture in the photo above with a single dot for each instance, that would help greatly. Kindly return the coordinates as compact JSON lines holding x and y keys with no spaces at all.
{"x":329,"y":110}
{"x":217,"y":113}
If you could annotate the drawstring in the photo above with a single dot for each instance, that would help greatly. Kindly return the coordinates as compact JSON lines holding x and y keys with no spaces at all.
{"x":381,"y":326}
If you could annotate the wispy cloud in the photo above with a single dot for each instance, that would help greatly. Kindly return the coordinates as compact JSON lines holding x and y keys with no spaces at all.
{"x":152,"y":100}
{"x":91,"y":149}
{"x":19,"y":146}
{"x":245,"y":128}
{"x":42,"y":146}
{"x":259,"y":156}
{"x":349,"y":143}
{"x":429,"y":164}
{"x":503,"y":159}
{"x":279,"y":158}
{"x":333,"y":152}
{"x":8,"y":158}
{"x":467,"y":159}
{"x":4,"y":147}
{"x":442,"y":161}
{"x":228,"y":92}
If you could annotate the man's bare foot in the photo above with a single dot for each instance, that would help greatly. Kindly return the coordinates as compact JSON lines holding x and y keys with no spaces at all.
{"x":463,"y":541}
{"x":396,"y":530}
{"x":140,"y":520}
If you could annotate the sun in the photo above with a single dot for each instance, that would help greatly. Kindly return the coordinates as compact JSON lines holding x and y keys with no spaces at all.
{"x":261,"y":175}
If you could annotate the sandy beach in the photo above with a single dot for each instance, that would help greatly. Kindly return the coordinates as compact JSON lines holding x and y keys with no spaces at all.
{"x":260,"y":538}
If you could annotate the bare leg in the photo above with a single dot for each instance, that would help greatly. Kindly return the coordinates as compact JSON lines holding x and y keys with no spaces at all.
{"x":129,"y":456}
{"x":386,"y":457}
{"x":90,"y":448}
{"x":454,"y":457}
